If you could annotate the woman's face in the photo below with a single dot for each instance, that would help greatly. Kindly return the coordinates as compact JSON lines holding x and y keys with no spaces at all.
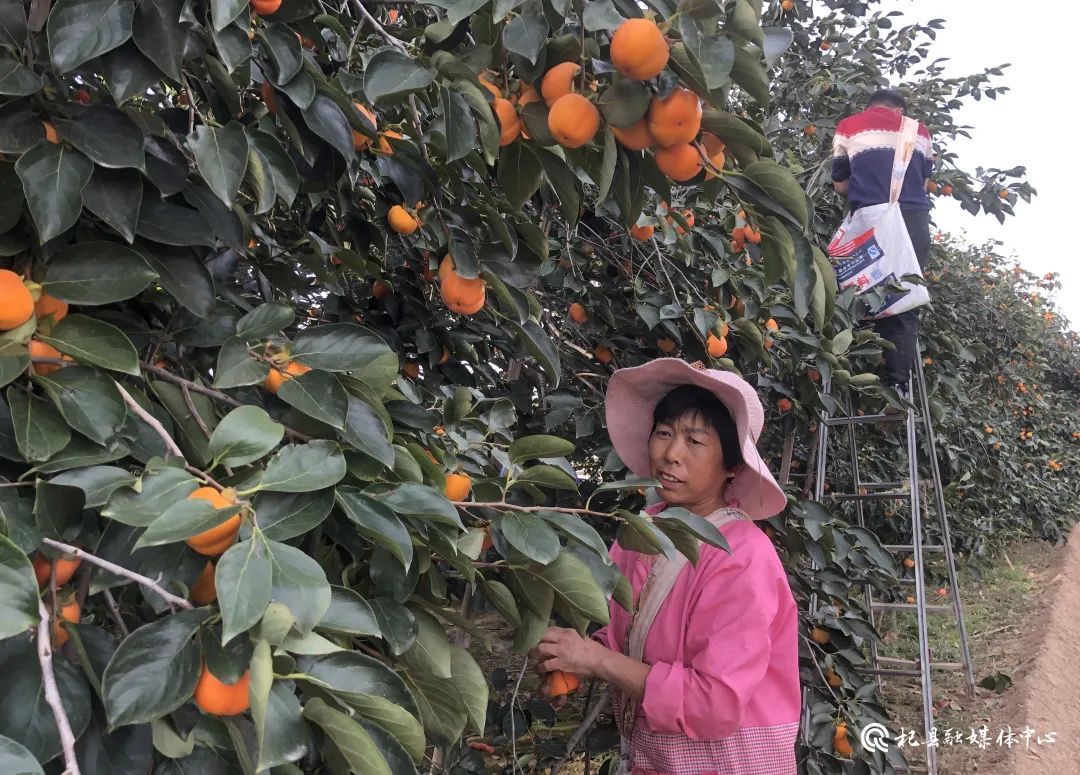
{"x":686,"y":456}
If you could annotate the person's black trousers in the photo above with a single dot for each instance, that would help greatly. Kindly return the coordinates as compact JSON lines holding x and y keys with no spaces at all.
{"x":903,"y":329}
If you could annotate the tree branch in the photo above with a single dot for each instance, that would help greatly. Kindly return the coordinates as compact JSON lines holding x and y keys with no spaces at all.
{"x":359,"y":8}
{"x":512,"y":507}
{"x":149,"y":419}
{"x":217,"y":395}
{"x":583,"y":729}
{"x":118,"y":570}
{"x":52,"y":693}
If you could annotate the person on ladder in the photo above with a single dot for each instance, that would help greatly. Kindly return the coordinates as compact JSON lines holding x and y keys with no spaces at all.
{"x":864,"y":147}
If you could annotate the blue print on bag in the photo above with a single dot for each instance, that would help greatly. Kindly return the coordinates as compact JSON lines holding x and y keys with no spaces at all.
{"x":862,"y":266}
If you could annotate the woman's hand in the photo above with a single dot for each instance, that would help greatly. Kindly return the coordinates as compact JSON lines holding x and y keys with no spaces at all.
{"x":564,"y":649}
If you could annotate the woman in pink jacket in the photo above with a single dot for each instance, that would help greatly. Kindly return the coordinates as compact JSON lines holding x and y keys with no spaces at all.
{"x":705,"y":670}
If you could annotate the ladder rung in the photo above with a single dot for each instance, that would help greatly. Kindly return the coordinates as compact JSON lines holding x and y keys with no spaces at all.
{"x":881,"y":485}
{"x":911,"y":548}
{"x":913,"y":662}
{"x":908,"y":606}
{"x":920,"y":769}
{"x":889,"y":671}
{"x":869,"y":419}
{"x":868,"y":580}
{"x":870,"y":496}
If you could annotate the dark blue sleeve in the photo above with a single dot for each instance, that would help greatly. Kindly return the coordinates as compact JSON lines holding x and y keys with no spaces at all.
{"x":841,"y":168}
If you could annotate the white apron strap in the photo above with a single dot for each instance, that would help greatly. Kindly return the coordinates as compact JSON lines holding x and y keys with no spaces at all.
{"x":905,"y":149}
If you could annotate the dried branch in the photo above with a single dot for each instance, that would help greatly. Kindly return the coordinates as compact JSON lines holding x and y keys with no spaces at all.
{"x":52,"y":693}
{"x":118,"y":570}
{"x":583,"y":729}
{"x":360,"y":9}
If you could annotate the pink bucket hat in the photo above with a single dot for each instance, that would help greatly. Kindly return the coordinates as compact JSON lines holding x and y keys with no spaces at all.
{"x":632,"y":397}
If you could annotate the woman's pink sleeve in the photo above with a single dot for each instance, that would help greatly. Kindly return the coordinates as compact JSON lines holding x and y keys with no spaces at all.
{"x":727,"y":649}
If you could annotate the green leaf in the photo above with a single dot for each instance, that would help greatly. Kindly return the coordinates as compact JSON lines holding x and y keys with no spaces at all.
{"x":92,"y":273}
{"x":391,"y":75}
{"x":114,"y":196}
{"x":601,"y":15}
{"x":530,"y":535}
{"x":281,"y":516}
{"x":80,"y":30}
{"x":421,"y":501}
{"x":278,"y":164}
{"x":160,"y":34}
{"x":777,"y":41}
{"x":95,"y":343}
{"x":223,"y":12}
{"x":525,"y":35}
{"x":639,"y":534}
{"x":532,"y":447}
{"x":377,"y":522}
{"x":58,"y":509}
{"x":430,"y":652}
{"x":748,"y":71}
{"x":108,"y":137}
{"x":575,"y":527}
{"x":713,"y":53}
{"x":236,"y":367}
{"x":366,"y":430}
{"x":441,"y":707}
{"x":40,"y":432}
{"x":285,"y":737}
{"x":184,"y":519}
{"x":539,"y":345}
{"x":25,"y":717}
{"x":319,"y":395}
{"x":337,"y":347}
{"x":154,"y":670}
{"x":15,"y":79}
{"x":181,"y":273}
{"x":300,"y":583}
{"x":265,"y":320}
{"x":564,"y":182}
{"x":304,"y":467}
{"x":503,"y":599}
{"x":780,"y":184}
{"x":244,"y":435}
{"x":547,"y":476}
{"x":156,"y":491}
{"x":573,"y":581}
{"x":357,"y":749}
{"x":221,"y":155}
{"x":171,"y":224}
{"x":520,"y":173}
{"x":349,"y":613}
{"x":624,"y":103}
{"x":695,"y":525}
{"x":18,"y":591}
{"x":127,"y":73}
{"x":285,"y":52}
{"x":96,"y":482}
{"x":459,"y":126}
{"x":15,"y":759}
{"x":243,"y":578}
{"x":327,"y":120}
{"x":53,"y":177}
{"x":471,"y":685}
{"x":88,"y":400}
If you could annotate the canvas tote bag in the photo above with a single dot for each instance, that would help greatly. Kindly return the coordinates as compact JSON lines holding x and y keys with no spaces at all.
{"x":872,"y":245}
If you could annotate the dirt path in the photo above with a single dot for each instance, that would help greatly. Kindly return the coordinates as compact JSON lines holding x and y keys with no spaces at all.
{"x":1051,"y":684}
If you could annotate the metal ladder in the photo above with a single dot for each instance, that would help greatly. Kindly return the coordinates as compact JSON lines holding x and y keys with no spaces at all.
{"x":910,"y":490}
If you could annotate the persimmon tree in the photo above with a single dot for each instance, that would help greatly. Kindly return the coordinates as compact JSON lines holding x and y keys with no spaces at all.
{"x":308,"y":312}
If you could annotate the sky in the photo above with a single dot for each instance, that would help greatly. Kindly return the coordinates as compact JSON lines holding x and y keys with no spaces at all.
{"x":1028,"y":126}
